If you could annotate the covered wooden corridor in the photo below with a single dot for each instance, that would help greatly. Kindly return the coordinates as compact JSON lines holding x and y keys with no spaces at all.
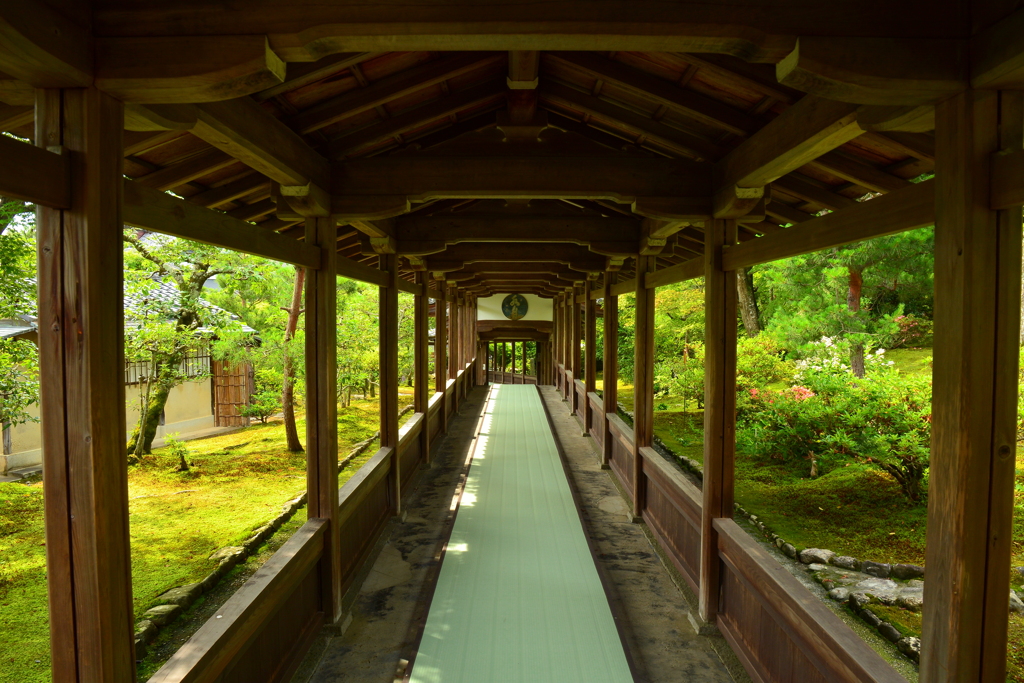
{"x":569,"y":152}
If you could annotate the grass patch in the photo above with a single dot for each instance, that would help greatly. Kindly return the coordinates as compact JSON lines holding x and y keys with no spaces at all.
{"x":906,"y":622}
{"x":1015,"y":649}
{"x":911,"y":361}
{"x":237,"y":483}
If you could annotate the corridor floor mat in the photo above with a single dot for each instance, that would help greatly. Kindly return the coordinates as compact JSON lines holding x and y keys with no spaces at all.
{"x":518,"y":598}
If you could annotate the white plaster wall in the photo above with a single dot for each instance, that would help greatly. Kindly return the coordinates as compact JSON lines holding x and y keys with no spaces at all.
{"x":538,"y":308}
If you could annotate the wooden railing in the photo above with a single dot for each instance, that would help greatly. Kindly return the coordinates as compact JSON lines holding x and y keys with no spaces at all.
{"x":773,"y":623}
{"x":510,"y":378}
{"x":262,"y":632}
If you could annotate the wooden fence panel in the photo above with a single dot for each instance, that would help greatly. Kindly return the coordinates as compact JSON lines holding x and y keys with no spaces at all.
{"x":366,"y":506}
{"x":232,"y":386}
{"x":673,"y":513}
{"x":596,"y":419}
{"x":622,"y":452}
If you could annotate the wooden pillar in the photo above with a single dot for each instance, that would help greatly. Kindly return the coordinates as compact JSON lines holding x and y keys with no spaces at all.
{"x":567,"y":343}
{"x":389,"y":372}
{"x":441,"y":353}
{"x":590,"y":342}
{"x":574,"y":348}
{"x":513,"y":362}
{"x":973,"y":447}
{"x":719,"y":406}
{"x":454,"y":351}
{"x":81,"y":356}
{"x":322,"y":404}
{"x":643,"y":381}
{"x":611,"y":362}
{"x":556,"y":340}
{"x":421,"y":361}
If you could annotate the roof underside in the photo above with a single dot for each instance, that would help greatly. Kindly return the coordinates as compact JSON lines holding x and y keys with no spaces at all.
{"x":647,"y":105}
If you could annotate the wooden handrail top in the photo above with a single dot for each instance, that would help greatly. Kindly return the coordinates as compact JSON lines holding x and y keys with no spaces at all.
{"x":356,"y":488}
{"x":673,"y":475}
{"x":410,"y":430}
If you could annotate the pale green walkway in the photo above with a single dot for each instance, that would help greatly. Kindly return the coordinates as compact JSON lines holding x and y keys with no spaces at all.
{"x":518,"y":599}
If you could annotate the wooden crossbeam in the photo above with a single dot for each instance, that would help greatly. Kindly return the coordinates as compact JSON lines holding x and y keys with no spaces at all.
{"x":687,"y":270}
{"x":414,"y":118}
{"x":387,"y":89}
{"x":800,"y":134}
{"x":196,"y":166}
{"x":997,"y":54}
{"x":803,"y":188}
{"x":420,"y":178}
{"x":858,"y":172}
{"x":33,"y":174}
{"x":906,"y":209}
{"x":691,"y":104}
{"x":15,"y":116}
{"x":151,"y":209}
{"x":499,"y":228}
{"x":230,"y":192}
{"x":303,"y":74}
{"x":57,"y":56}
{"x":638,"y":124}
{"x":156,"y":70}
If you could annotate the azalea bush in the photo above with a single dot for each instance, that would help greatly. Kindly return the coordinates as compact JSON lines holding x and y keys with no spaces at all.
{"x":830,"y":418}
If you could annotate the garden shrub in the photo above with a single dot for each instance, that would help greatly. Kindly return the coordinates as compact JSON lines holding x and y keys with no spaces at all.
{"x":830,"y":417}
{"x":262,"y":405}
{"x":913,"y":332}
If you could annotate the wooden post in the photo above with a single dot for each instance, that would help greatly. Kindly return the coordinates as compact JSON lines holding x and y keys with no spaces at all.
{"x":81,"y":354}
{"x":389,"y":372}
{"x":454,"y":352}
{"x":643,"y":381}
{"x":610,"y":373}
{"x":322,"y":405}
{"x":441,"y":354}
{"x":590,"y":365}
{"x":421,"y":361}
{"x":556,"y":340}
{"x":513,"y":362}
{"x":977,"y":323}
{"x":566,"y":345}
{"x":576,"y":332}
{"x":719,"y":406}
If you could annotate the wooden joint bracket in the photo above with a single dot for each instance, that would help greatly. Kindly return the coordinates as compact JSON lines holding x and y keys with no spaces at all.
{"x":736,"y":202}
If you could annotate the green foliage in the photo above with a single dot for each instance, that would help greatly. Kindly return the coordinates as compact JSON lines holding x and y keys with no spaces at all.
{"x":262,"y":405}
{"x":19,"y":381}
{"x":831,"y":419}
{"x":17,"y":266}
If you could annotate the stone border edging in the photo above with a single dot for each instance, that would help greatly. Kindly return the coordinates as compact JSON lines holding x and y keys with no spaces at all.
{"x":177,"y":600}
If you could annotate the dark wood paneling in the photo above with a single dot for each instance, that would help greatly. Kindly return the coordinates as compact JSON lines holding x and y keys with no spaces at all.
{"x":622,"y":452}
{"x":366,"y":506}
{"x":673,"y":514}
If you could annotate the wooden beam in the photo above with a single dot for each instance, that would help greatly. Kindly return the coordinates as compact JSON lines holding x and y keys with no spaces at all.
{"x":622,"y":287}
{"x":912,"y":207}
{"x":441,"y":352}
{"x":321,"y":325}
{"x":638,"y":124}
{"x":801,"y":187}
{"x":643,"y":380}
{"x":81,"y":359}
{"x":33,"y":174}
{"x":858,"y":173}
{"x":719,"y":408}
{"x":610,"y":368}
{"x":151,"y":209}
{"x":414,"y":118}
{"x":15,"y":116}
{"x":387,"y":89}
{"x":798,"y":135}
{"x":1007,"y":179}
{"x":46,"y":47}
{"x":974,"y":403}
{"x":577,"y":257}
{"x":876,"y":70}
{"x":422,"y":177}
{"x":154,"y":70}
{"x":354,"y":270}
{"x":196,"y":166}
{"x":298,"y":75}
{"x":997,"y":54}
{"x":687,"y":270}
{"x":693,"y":105}
{"x":526,"y":228}
{"x":388,"y":319}
{"x":236,"y":189}
{"x":590,"y":360}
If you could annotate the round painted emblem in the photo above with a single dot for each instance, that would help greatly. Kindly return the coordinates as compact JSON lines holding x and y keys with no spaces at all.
{"x":514,"y":307}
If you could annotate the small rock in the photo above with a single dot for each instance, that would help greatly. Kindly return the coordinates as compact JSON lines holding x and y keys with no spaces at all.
{"x":225,"y":553}
{"x":816,"y":555}
{"x":140,"y":649}
{"x":210,"y":581}
{"x":858,"y":600}
{"x":753,"y":518}
{"x":839,"y":594}
{"x":182,"y":595}
{"x":145,"y":631}
{"x":779,"y":543}
{"x":815,"y":567}
{"x":870,"y":617}
{"x":846,"y":562}
{"x":1019,"y":571}
{"x":889,"y":631}
{"x":162,"y":614}
{"x":789,"y":549}
{"x":907,"y":571}
{"x":258,"y":536}
{"x":915,"y":583}
{"x":228,"y":563}
{"x":910,"y":601}
{"x":1016,"y":605}
{"x":876,"y":585}
{"x":878,"y":569}
{"x":910,"y":646}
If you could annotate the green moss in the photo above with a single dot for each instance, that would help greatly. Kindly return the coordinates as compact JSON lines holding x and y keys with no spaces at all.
{"x":1015,"y":650}
{"x":911,"y":361}
{"x":237,"y":483}
{"x":906,"y":622}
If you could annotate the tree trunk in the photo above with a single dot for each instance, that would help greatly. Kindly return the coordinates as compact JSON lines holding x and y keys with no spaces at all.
{"x":1022,"y":307}
{"x":150,"y":419}
{"x":748,"y":302}
{"x":853,"y":304}
{"x":288,"y":388}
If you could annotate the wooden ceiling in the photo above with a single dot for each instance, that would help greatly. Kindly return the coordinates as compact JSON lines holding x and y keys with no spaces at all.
{"x":633,"y":112}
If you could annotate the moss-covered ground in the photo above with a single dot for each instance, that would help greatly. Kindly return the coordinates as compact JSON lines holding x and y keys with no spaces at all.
{"x":237,"y":482}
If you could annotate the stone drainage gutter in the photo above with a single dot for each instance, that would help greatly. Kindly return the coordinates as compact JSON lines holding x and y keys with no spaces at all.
{"x":177,"y":600}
